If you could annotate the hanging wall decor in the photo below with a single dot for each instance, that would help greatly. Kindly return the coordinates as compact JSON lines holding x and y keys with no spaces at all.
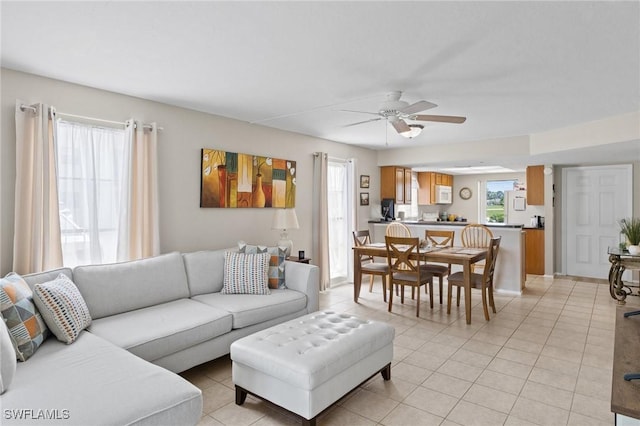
{"x":233,"y":180}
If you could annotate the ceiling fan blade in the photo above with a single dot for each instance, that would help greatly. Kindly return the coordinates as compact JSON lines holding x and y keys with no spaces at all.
{"x":417,"y":107}
{"x":360,"y":112}
{"x":401,"y":126}
{"x":440,"y":118}
{"x":362,"y":122}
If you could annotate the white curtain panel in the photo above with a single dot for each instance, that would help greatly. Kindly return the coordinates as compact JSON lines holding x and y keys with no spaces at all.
{"x":36,"y":244}
{"x":139,"y":232}
{"x":320,"y":232}
{"x":92,"y":161}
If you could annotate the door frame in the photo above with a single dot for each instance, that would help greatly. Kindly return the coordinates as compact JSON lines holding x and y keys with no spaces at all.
{"x":565,"y":192}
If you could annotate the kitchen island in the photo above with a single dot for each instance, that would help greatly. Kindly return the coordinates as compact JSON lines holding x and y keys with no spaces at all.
{"x":510,"y":268}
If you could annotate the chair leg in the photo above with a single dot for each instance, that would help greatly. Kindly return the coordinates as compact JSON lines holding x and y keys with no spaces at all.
{"x":431,"y":292}
{"x":402,"y":294}
{"x":417,"y":302}
{"x":413,"y":293}
{"x":449,"y":290}
{"x":491,"y":302}
{"x":384,"y":287}
{"x":484,"y":303}
{"x":458,"y":297}
{"x":440,"y":278}
{"x":390,"y":294}
{"x":370,"y":283}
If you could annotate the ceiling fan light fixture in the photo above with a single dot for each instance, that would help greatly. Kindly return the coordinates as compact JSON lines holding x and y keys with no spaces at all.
{"x":415,"y":130}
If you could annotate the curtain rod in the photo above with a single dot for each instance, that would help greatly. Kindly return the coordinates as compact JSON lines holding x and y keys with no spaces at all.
{"x":64,"y":114}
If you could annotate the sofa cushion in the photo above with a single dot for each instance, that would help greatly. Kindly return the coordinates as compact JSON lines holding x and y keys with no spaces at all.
{"x":249,"y":309}
{"x":26,"y":326}
{"x":245,"y":273}
{"x":205,"y":270}
{"x":62,"y":307}
{"x":161,"y":330}
{"x":277,"y":256}
{"x":7,"y":358}
{"x":121,"y":287}
{"x":94,"y":382}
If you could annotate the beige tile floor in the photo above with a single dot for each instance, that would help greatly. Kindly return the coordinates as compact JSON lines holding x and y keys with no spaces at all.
{"x":544,"y":359}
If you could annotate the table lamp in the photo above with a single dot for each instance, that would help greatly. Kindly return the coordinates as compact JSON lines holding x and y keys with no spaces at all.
{"x":283,"y":220}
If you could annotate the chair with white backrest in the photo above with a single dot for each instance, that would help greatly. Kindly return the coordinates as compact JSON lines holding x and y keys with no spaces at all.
{"x":406,"y":271}
{"x":368,"y":264}
{"x":482,"y":281}
{"x":476,"y":235}
{"x":439,"y":239}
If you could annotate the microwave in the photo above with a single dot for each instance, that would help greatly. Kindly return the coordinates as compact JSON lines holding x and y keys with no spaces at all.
{"x":443,"y":194}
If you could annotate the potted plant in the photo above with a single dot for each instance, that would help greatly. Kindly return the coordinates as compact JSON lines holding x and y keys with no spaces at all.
{"x":630,"y":227}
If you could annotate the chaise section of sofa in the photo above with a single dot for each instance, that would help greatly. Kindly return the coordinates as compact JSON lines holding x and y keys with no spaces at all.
{"x":93,"y":382}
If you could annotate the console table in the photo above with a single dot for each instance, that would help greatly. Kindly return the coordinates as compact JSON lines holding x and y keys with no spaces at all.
{"x":621,"y":260}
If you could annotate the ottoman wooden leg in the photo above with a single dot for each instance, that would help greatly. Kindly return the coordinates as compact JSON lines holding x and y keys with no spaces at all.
{"x":241,"y":395}
{"x":386,"y":372}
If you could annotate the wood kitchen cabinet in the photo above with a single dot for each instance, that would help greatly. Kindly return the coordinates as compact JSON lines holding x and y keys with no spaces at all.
{"x":534,"y":251}
{"x":427,"y":182}
{"x":395,"y":182}
{"x":535,"y":185}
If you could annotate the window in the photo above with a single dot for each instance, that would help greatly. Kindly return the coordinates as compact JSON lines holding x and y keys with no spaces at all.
{"x":495,"y":201}
{"x":91,"y":164}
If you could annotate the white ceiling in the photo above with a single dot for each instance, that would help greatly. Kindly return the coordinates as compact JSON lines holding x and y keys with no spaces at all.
{"x":512,"y":68}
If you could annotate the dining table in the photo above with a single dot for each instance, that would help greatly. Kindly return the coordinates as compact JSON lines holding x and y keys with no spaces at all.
{"x":465,"y":256}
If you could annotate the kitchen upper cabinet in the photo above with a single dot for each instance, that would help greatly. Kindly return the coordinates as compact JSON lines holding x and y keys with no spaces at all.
{"x":535,"y":185}
{"x":427,"y":182}
{"x":534,"y":251}
{"x":395,"y":182}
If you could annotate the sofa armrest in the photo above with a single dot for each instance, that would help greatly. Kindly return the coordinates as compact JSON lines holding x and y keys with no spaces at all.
{"x":304,"y":278}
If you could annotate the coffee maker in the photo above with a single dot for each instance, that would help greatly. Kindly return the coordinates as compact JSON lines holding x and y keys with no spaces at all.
{"x":388,"y":213}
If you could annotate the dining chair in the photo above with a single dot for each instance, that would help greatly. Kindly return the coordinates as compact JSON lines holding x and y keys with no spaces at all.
{"x":404,"y":270}
{"x":441,"y":239}
{"x":397,"y":229}
{"x":482,"y":281}
{"x":368,"y":264}
{"x":476,"y":235}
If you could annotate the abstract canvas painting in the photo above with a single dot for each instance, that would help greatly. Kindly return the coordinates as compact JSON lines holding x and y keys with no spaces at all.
{"x":233,"y":180}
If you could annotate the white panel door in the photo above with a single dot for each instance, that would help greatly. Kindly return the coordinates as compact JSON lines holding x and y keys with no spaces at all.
{"x":595,"y":198}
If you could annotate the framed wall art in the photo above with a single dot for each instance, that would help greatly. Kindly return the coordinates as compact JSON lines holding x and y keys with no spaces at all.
{"x":364,"y":198}
{"x":364,"y":181}
{"x":234,"y":180}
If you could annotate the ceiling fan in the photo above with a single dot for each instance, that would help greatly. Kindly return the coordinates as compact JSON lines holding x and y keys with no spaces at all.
{"x":397,"y":112}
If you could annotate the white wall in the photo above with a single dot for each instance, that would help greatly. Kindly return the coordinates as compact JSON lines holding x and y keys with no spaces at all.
{"x":184,"y":226}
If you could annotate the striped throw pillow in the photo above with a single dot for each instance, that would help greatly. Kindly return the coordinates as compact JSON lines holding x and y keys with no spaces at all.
{"x":276,"y":262}
{"x":245,"y":273}
{"x":62,"y":307}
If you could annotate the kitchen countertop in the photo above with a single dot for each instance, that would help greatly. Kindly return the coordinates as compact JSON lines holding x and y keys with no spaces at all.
{"x":450,"y":223}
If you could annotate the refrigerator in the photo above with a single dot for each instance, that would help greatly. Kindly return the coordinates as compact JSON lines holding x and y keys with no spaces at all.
{"x":516,"y":209}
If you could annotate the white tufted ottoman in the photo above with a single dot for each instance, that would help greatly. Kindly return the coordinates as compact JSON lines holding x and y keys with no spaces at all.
{"x":307,"y":364}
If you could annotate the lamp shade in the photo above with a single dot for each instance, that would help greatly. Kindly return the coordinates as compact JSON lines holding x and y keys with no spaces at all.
{"x":285,"y":219}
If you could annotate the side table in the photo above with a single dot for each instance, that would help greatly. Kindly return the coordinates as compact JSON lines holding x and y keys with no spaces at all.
{"x":297,"y":259}
{"x":621,"y":260}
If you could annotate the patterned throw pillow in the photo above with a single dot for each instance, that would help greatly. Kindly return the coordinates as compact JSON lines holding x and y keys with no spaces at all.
{"x":276,"y":261}
{"x":26,"y":327}
{"x":62,"y":307}
{"x":245,"y":273}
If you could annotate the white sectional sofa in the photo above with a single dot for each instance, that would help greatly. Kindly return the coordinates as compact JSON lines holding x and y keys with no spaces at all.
{"x":151,"y":318}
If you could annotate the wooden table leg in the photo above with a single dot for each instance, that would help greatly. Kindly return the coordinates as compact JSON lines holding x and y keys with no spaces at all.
{"x":467,"y":291}
{"x":357,"y":276}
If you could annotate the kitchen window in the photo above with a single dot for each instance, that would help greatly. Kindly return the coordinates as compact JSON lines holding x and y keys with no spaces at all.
{"x":494,"y":211}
